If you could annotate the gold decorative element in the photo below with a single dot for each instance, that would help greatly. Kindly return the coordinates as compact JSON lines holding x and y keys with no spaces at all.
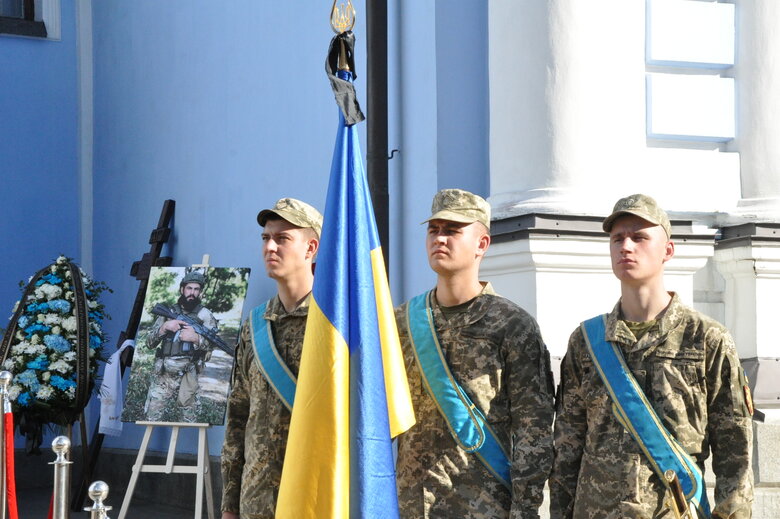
{"x":342,"y":17}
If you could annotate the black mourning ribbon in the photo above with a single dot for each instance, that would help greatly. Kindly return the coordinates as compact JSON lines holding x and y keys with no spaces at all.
{"x":344,"y":90}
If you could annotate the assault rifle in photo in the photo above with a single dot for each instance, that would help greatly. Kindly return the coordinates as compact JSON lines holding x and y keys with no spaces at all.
{"x":210,"y":334}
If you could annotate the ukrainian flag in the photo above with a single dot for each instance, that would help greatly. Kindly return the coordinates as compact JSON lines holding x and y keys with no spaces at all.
{"x":352,"y":395}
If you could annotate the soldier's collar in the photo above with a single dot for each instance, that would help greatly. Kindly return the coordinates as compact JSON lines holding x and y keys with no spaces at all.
{"x":617,"y":331}
{"x":275,"y":308}
{"x":476,"y":308}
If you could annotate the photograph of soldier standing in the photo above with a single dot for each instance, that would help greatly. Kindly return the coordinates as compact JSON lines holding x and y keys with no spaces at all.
{"x":180,"y":353}
{"x":260,"y":403}
{"x":480,"y":380}
{"x":674,"y":377}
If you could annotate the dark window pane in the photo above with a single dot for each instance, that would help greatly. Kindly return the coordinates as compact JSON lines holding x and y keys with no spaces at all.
{"x":12,"y":8}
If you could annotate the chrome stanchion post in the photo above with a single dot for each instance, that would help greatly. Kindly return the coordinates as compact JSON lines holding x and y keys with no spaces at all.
{"x":97,"y":492}
{"x":61,"y":445}
{"x":5,"y":404}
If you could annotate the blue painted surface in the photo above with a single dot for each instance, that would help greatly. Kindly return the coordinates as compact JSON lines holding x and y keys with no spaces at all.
{"x":226,"y":108}
{"x":39,"y":197}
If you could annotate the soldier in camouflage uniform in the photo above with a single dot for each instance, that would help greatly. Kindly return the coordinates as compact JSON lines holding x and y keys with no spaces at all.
{"x":180,"y":354}
{"x":257,"y":420}
{"x":687,"y":366}
{"x":495,"y":351}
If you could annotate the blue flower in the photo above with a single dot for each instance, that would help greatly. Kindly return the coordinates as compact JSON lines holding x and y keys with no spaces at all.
{"x":41,"y":363}
{"x":57,"y":342}
{"x":34,"y":308}
{"x":36,"y":328}
{"x":23,"y":321}
{"x":95,"y":342}
{"x":49,"y":278}
{"x":60,"y":305}
{"x":28,"y":378}
{"x":61,"y":383}
{"x":24,"y":399}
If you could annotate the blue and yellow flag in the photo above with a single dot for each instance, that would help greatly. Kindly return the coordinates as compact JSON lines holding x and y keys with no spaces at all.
{"x":352,"y":395}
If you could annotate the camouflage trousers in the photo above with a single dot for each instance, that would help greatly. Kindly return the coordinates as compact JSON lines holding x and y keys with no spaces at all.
{"x":174,"y":388}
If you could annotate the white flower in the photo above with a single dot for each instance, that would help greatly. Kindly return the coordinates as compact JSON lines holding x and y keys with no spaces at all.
{"x":92,"y":304}
{"x":56,"y":330}
{"x":20,"y":335}
{"x":69,"y":356}
{"x":44,"y":392}
{"x":9,"y":363}
{"x":71,"y":392}
{"x":35,"y":339}
{"x":70,"y":324}
{"x":69,"y":295}
{"x":45,"y":376}
{"x":67,"y":274}
{"x":50,"y":319}
{"x":53,"y":269}
{"x":60,"y":366}
{"x":14,"y":391}
{"x":91,"y":353}
{"x":95,"y":327}
{"x":51,"y":291}
{"x":61,"y":260}
{"x":20,"y":348}
{"x":40,"y":318}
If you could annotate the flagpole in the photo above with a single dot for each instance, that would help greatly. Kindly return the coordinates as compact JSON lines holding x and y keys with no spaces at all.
{"x":377,"y":132}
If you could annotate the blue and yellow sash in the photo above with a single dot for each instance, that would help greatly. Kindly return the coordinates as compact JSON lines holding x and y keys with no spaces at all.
{"x":636,"y":414}
{"x":268,"y":359}
{"x":466,"y":423}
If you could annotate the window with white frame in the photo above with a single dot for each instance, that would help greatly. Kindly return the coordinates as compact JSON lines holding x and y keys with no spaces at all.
{"x":689,"y":60}
{"x":34,"y":18}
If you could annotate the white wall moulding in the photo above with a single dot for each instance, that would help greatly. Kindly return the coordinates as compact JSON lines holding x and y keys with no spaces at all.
{"x":690,"y":34}
{"x":688,"y":107}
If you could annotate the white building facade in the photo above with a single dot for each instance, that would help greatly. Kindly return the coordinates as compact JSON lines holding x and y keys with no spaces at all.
{"x":591,"y":101}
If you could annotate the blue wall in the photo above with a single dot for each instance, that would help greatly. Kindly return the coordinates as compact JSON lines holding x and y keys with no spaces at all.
{"x":39,"y":194}
{"x":225,"y":108}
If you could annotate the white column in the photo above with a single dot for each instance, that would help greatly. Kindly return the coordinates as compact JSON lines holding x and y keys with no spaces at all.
{"x":567,"y":101}
{"x":757,"y":71}
{"x":752,"y":275}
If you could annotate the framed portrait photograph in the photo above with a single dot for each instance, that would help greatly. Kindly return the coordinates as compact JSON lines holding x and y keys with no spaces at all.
{"x":186,"y":341}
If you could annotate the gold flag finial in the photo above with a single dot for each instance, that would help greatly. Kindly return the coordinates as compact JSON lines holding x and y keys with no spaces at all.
{"x":342,"y":17}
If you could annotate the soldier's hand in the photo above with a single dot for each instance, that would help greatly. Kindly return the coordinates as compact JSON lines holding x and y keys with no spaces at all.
{"x":188,"y":335}
{"x":229,"y":515}
{"x":173,"y":326}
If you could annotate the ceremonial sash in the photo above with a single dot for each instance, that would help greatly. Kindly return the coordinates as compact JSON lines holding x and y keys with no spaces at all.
{"x":633,"y":410}
{"x":466,"y":423}
{"x":268,"y":359}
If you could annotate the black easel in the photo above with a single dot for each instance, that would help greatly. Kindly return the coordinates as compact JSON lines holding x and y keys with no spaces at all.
{"x":140,"y":270}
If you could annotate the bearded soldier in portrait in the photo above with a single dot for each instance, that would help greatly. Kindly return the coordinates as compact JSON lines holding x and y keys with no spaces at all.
{"x":180,"y":354}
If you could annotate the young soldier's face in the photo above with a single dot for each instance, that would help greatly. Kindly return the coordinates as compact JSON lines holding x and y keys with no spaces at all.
{"x":287,"y":250}
{"x":638,"y":250}
{"x":454,"y":246}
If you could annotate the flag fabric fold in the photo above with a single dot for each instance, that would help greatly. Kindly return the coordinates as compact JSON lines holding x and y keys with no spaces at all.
{"x":352,"y":395}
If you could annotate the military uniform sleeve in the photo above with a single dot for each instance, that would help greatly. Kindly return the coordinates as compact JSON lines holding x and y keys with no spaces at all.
{"x":531,"y":390}
{"x":232,"y":462}
{"x":153,"y":336}
{"x":569,"y":432}
{"x":730,"y":429}
{"x":209,"y":321}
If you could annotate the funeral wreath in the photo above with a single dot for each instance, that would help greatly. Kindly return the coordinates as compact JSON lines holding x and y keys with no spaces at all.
{"x":52,"y":347}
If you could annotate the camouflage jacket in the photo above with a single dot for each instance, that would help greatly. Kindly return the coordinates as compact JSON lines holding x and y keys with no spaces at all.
{"x":199,"y":313}
{"x":257,"y":420}
{"x":688,"y":368}
{"x":495,"y":351}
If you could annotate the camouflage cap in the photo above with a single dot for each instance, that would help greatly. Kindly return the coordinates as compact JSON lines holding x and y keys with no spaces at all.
{"x":457,"y":205}
{"x":644,"y":207}
{"x":194,"y":277}
{"x":294,"y":211}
